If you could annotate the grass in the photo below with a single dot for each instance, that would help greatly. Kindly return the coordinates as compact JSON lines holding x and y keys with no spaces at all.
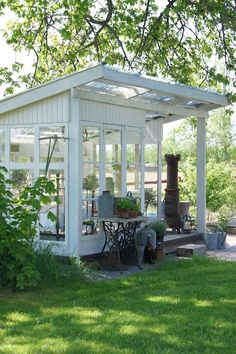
{"x":182,"y":307}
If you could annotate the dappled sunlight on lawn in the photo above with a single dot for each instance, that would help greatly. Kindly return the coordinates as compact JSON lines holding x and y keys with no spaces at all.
{"x":163,"y":311}
{"x":16,"y":317}
{"x":203,"y":303}
{"x":166,"y":299}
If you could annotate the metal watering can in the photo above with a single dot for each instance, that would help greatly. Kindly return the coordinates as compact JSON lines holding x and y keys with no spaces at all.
{"x":134,"y":200}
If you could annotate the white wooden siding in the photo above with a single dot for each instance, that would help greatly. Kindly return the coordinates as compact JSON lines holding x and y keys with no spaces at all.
{"x":54,"y":109}
{"x":112,"y":114}
{"x":153,"y":131}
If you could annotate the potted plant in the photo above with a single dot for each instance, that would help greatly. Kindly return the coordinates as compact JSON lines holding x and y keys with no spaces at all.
{"x":123,"y":207}
{"x":91,"y":184}
{"x":159,"y":226}
{"x":90,"y":227}
{"x":134,"y":210}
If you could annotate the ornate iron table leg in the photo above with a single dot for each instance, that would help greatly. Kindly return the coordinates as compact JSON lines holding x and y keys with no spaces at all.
{"x":112,"y":239}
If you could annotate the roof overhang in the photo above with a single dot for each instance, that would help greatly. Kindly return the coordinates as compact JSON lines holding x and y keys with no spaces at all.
{"x":159,"y":99}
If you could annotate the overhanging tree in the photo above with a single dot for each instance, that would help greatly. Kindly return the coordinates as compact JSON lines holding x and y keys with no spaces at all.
{"x":177,"y":40}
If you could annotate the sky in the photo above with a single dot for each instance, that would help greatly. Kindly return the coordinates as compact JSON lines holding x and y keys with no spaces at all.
{"x":8,"y":56}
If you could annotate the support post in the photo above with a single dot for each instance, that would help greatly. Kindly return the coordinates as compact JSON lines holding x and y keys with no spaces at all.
{"x":75,"y":178}
{"x":201,"y":175}
{"x":159,"y":169}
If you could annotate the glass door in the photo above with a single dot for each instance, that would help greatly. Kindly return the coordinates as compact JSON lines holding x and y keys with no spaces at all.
{"x":91,"y":178}
{"x":113,"y":160}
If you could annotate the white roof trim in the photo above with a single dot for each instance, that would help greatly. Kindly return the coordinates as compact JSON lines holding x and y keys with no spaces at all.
{"x":174,"y":89}
{"x":51,"y":88}
{"x":139,"y":84}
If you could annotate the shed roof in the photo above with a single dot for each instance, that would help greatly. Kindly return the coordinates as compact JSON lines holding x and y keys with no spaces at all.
{"x":170,"y":101}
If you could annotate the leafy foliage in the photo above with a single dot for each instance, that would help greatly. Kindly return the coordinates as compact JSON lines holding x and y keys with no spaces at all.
{"x":159,"y":226}
{"x":221,"y":171}
{"x":18,"y":220}
{"x":91,"y":182}
{"x":124,"y":203}
{"x":150,"y":198}
{"x":177,"y":39}
{"x":221,"y":186}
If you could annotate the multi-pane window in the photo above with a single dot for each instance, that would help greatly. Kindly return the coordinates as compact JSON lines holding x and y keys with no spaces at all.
{"x":150,"y":176}
{"x":52,"y":156}
{"x":54,"y":230}
{"x":28,"y":152}
{"x":113,"y":160}
{"x":91,"y":148}
{"x":133,"y":161}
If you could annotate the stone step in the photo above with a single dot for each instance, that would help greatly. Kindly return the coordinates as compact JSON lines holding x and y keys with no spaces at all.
{"x":191,"y":249}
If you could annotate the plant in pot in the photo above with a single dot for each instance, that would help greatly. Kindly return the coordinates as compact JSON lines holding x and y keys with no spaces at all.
{"x":91,"y":184}
{"x":123,"y":207}
{"x":159,"y":226}
{"x":134,"y":210}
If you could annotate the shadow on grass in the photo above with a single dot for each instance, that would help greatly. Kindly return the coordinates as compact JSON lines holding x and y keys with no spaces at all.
{"x":183,"y":307}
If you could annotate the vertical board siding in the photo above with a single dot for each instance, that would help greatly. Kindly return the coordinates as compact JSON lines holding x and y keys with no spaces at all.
{"x":53,"y":109}
{"x":111,"y":114}
{"x":153,"y":131}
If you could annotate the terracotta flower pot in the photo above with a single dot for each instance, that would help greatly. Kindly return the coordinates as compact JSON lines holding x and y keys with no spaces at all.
{"x":123,"y":213}
{"x":133,"y":214}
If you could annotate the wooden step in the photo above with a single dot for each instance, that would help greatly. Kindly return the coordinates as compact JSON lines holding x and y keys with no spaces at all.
{"x":173,"y":241}
{"x":191,"y":249}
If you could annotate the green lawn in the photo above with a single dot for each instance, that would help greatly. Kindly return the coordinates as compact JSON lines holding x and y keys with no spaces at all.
{"x":182,"y":307}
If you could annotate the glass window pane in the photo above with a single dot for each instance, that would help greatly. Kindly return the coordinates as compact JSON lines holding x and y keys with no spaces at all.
{"x":91,"y":142}
{"x":113,"y":146}
{"x":22,"y":144}
{"x":151,"y":179}
{"x":21,"y":178}
{"x":90,"y":199}
{"x":113,"y":161}
{"x":150,"y":154}
{"x":113,"y":179}
{"x":2,"y":145}
{"x":49,"y":230}
{"x":133,"y":155}
{"x":90,"y":190}
{"x":52,"y":143}
{"x":133,"y":180}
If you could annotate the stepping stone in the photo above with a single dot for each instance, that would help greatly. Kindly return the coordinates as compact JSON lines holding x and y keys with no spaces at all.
{"x":191,"y":249}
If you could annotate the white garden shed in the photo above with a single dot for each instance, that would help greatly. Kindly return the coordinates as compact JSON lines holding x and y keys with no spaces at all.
{"x":94,"y":124}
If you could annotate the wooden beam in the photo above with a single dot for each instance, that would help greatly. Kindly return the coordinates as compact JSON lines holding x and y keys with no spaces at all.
{"x":147,"y":106}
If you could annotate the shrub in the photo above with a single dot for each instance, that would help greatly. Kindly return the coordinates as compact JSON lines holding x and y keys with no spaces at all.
{"x":18,"y":220}
{"x":56,"y":270}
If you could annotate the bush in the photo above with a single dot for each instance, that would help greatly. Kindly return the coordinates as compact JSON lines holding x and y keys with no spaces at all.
{"x":55,"y":270}
{"x":18,"y":219}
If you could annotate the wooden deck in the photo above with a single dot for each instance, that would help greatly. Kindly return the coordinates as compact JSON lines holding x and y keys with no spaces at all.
{"x":173,"y":240}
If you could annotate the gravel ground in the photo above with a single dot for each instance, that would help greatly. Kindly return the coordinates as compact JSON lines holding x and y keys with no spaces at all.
{"x":228,"y":253}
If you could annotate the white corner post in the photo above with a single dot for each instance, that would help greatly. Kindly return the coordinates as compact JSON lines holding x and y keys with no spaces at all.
{"x":201,"y":175}
{"x":74,"y":178}
{"x":159,"y":168}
